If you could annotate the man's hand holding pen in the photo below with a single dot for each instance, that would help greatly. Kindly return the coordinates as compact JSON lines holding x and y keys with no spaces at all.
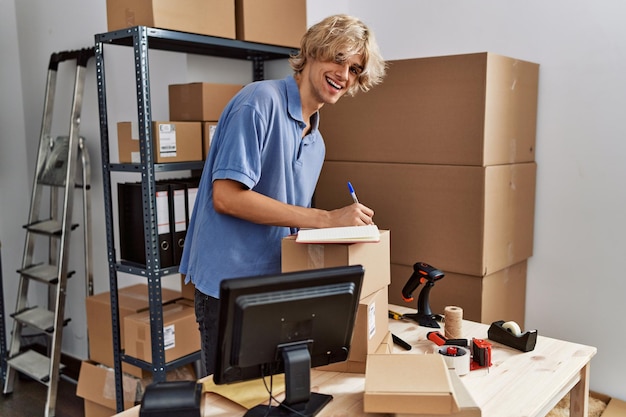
{"x":365,"y":214}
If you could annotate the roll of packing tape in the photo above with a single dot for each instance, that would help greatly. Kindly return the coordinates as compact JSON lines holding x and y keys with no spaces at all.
{"x":456,"y":357}
{"x":512,"y":327}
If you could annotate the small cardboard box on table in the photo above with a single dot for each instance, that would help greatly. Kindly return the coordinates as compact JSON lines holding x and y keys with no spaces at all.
{"x":374,"y":256}
{"x":418,"y":384}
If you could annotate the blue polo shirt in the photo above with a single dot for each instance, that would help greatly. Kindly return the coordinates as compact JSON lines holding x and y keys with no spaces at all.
{"x":258,"y":142}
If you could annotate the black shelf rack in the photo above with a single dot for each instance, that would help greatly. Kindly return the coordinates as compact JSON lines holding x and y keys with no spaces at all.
{"x":142,"y":39}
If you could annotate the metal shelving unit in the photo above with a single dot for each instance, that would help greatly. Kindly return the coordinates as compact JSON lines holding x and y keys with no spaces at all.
{"x":142,"y":39}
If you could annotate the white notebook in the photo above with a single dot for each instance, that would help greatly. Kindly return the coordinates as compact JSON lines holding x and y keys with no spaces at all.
{"x":348,"y":234}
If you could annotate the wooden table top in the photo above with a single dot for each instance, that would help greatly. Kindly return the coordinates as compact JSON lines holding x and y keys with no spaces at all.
{"x":517,"y":384}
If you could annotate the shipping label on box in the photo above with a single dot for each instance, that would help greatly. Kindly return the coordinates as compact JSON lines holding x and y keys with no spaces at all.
{"x":208,"y":131}
{"x":167,"y":140}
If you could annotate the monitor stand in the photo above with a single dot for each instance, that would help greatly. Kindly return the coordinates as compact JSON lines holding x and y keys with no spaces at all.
{"x":299,"y":400}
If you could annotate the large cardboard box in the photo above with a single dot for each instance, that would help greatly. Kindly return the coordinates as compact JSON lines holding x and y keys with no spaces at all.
{"x":200,"y":101}
{"x":466,"y":219}
{"x":371,"y":329}
{"x":96,"y":385}
{"x":416,"y":384}
{"x":485,"y":299}
{"x":131,"y":300}
{"x":181,"y":336}
{"x":475,"y":109}
{"x":275,"y":22}
{"x":172,"y":141}
{"x":373,"y":256}
{"x":206,"y":17}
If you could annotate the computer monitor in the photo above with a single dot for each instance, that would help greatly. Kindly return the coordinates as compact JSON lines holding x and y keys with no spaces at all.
{"x":287,"y":323}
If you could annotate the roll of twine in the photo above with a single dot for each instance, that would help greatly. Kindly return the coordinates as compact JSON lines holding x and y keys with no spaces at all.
{"x":453,"y":319}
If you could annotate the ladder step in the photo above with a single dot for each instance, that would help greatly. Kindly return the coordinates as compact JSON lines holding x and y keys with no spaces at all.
{"x":39,"y":318}
{"x":43,"y":272}
{"x":47,"y":227}
{"x":33,"y":364}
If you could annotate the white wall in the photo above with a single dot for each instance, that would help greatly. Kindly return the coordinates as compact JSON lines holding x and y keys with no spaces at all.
{"x":574,"y":283}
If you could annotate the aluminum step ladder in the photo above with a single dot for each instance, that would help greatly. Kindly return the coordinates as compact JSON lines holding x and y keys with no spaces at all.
{"x":48,"y":236}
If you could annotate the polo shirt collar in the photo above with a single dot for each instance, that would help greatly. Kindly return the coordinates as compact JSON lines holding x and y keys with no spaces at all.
{"x":294,"y":104}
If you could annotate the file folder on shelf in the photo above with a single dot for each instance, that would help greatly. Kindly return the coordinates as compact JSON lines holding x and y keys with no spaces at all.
{"x":178,"y":217}
{"x":131,"y":225}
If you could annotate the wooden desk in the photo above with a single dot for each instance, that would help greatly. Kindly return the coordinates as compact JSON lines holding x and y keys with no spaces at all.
{"x":517,"y":384}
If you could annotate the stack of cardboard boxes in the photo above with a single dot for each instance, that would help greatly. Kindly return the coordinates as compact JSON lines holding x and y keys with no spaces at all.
{"x":371,"y":327}
{"x":194,"y":109}
{"x":443,"y":151}
{"x":275,"y":22}
{"x":96,"y":382}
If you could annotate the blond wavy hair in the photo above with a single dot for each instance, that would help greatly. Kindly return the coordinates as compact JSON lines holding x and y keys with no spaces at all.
{"x":336,"y":38}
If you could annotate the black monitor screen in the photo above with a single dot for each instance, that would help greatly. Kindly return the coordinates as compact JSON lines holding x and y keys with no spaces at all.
{"x":274,"y":323}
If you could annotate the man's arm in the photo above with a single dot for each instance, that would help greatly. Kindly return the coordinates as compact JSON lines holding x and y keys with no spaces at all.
{"x":233,"y":198}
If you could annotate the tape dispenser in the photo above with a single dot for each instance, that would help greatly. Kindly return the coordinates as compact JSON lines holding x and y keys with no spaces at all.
{"x":509,"y":334}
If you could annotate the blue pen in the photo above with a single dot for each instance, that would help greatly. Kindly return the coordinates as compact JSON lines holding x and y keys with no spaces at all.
{"x":352,"y":193}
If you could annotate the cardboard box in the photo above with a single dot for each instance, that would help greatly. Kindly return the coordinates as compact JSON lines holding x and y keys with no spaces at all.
{"x":96,"y":384}
{"x":206,"y":17}
{"x":275,"y":22}
{"x":389,"y":388}
{"x":200,"y":101}
{"x":181,"y":336}
{"x":370,"y":330}
{"x":131,"y":300}
{"x":172,"y":141}
{"x":208,"y":130}
{"x":93,"y":409}
{"x":128,"y":144}
{"x":475,"y":109}
{"x":373,"y":256}
{"x":188,"y":291}
{"x":497,"y":296}
{"x":465,"y":219}
{"x":358,"y":366}
{"x":615,"y":408}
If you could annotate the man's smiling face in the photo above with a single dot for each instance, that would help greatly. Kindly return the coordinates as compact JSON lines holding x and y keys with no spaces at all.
{"x":330,"y":80}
